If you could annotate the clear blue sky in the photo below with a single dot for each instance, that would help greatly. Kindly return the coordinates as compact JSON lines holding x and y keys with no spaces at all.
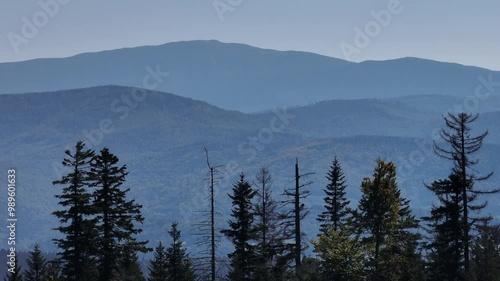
{"x":459,"y":31}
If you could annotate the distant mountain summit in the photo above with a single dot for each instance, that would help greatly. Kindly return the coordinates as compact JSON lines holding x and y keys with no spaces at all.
{"x":242,"y":77}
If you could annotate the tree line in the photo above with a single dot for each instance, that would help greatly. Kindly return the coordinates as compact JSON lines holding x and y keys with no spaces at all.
{"x":379,"y":238}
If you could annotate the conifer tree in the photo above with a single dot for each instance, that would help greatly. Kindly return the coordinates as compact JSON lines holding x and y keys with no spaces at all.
{"x":242,"y":231}
{"x":462,"y":147}
{"x":178,"y":264}
{"x":77,"y":224}
{"x":37,"y":266}
{"x":129,"y":266}
{"x":116,"y":215}
{"x":385,"y":221}
{"x":485,"y":261}
{"x":158,"y":265}
{"x":342,"y":258}
{"x":445,"y":225}
{"x":336,"y":204}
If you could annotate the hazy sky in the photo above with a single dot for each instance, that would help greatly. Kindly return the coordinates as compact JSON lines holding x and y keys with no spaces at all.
{"x":460,"y":31}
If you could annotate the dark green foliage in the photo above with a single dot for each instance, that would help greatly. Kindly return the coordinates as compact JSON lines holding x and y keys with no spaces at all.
{"x":445,"y":225}
{"x":412,"y":266}
{"x":377,"y":243}
{"x":462,"y":146}
{"x":129,"y":266}
{"x":158,"y":265}
{"x":37,"y":266}
{"x":342,"y":258}
{"x":178,"y":263}
{"x":77,"y":224}
{"x":485,"y":258}
{"x":385,"y":222}
{"x":407,"y":261}
{"x":242,"y":231}
{"x":54,"y":271}
{"x":115,"y":215}
{"x":336,"y":204}
{"x":308,"y":270}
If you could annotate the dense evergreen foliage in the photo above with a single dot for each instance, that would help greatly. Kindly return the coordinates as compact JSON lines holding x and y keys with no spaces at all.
{"x":129,"y":266}
{"x":445,"y":225}
{"x":341,"y":255}
{"x":158,"y":265}
{"x":242,"y":231}
{"x":454,"y":219}
{"x":486,"y":253}
{"x":179,"y":267}
{"x":386,"y":225}
{"x":115,"y":215}
{"x":98,"y":227}
{"x":172,"y":263}
{"x":37,"y":266}
{"x":78,"y":225}
{"x":336,"y":204}
{"x":379,"y":239}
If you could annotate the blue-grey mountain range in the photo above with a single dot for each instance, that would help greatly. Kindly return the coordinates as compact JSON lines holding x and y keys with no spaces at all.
{"x":245,"y":78}
{"x":249,"y":107}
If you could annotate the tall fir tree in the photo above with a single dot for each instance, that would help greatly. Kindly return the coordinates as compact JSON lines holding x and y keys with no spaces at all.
{"x":77,"y":223}
{"x":242,"y":231}
{"x":385,"y":221}
{"x":179,"y":267}
{"x":462,"y":147}
{"x":37,"y":266}
{"x":116,"y":216}
{"x":158,"y":265}
{"x":445,"y":226}
{"x":336,"y":211}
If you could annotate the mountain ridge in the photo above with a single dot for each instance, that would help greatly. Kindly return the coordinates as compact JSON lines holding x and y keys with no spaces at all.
{"x":241,"y":77}
{"x":162,"y":142}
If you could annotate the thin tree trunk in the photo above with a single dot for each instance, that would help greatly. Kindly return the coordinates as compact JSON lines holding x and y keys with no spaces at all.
{"x":297,"y":220}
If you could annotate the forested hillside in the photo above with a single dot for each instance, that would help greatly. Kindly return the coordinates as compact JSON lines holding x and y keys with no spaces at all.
{"x":161,"y":138}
